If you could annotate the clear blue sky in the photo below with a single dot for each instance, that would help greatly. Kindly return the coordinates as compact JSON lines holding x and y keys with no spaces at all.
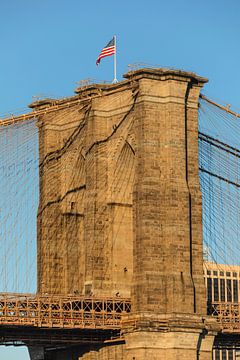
{"x":49,"y":45}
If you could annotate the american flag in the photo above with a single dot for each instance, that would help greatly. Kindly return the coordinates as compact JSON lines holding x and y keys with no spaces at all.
{"x":108,"y":50}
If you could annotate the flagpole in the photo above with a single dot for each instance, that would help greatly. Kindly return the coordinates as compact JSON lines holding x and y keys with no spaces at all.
{"x":115,"y":61}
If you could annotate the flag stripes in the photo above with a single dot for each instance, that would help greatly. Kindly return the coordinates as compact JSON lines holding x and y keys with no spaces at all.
{"x":108,"y":50}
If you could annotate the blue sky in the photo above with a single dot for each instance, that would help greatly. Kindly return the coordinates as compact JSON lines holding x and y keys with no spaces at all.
{"x":49,"y":45}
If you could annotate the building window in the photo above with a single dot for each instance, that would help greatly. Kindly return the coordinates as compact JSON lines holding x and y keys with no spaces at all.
{"x":235,"y":290}
{"x":217,"y":354}
{"x":224,"y":354}
{"x":215,"y":288}
{"x":230,"y":354}
{"x":209,"y":290}
{"x":229,"y":290}
{"x":222,"y":290}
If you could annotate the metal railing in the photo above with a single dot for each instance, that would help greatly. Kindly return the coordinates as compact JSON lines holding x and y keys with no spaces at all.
{"x":227,"y":314}
{"x":79,"y":312}
{"x":62,"y":311}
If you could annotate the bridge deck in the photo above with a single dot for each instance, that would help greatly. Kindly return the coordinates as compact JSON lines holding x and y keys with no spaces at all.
{"x":79,"y":312}
{"x":62,"y":311}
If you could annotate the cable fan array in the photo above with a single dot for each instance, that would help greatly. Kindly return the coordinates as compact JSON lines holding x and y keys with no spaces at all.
{"x":18,"y":206}
{"x":219,"y":165}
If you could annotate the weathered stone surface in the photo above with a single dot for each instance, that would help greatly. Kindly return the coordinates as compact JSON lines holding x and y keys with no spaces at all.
{"x":86,"y":180}
{"x":120,"y":209}
{"x":114,"y":352}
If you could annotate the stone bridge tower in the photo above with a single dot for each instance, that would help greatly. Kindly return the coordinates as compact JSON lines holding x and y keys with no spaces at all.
{"x":120,"y":208}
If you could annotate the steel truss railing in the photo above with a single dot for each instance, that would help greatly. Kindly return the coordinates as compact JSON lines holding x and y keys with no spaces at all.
{"x":75,"y":312}
{"x":79,"y":312}
{"x":227,"y":314}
